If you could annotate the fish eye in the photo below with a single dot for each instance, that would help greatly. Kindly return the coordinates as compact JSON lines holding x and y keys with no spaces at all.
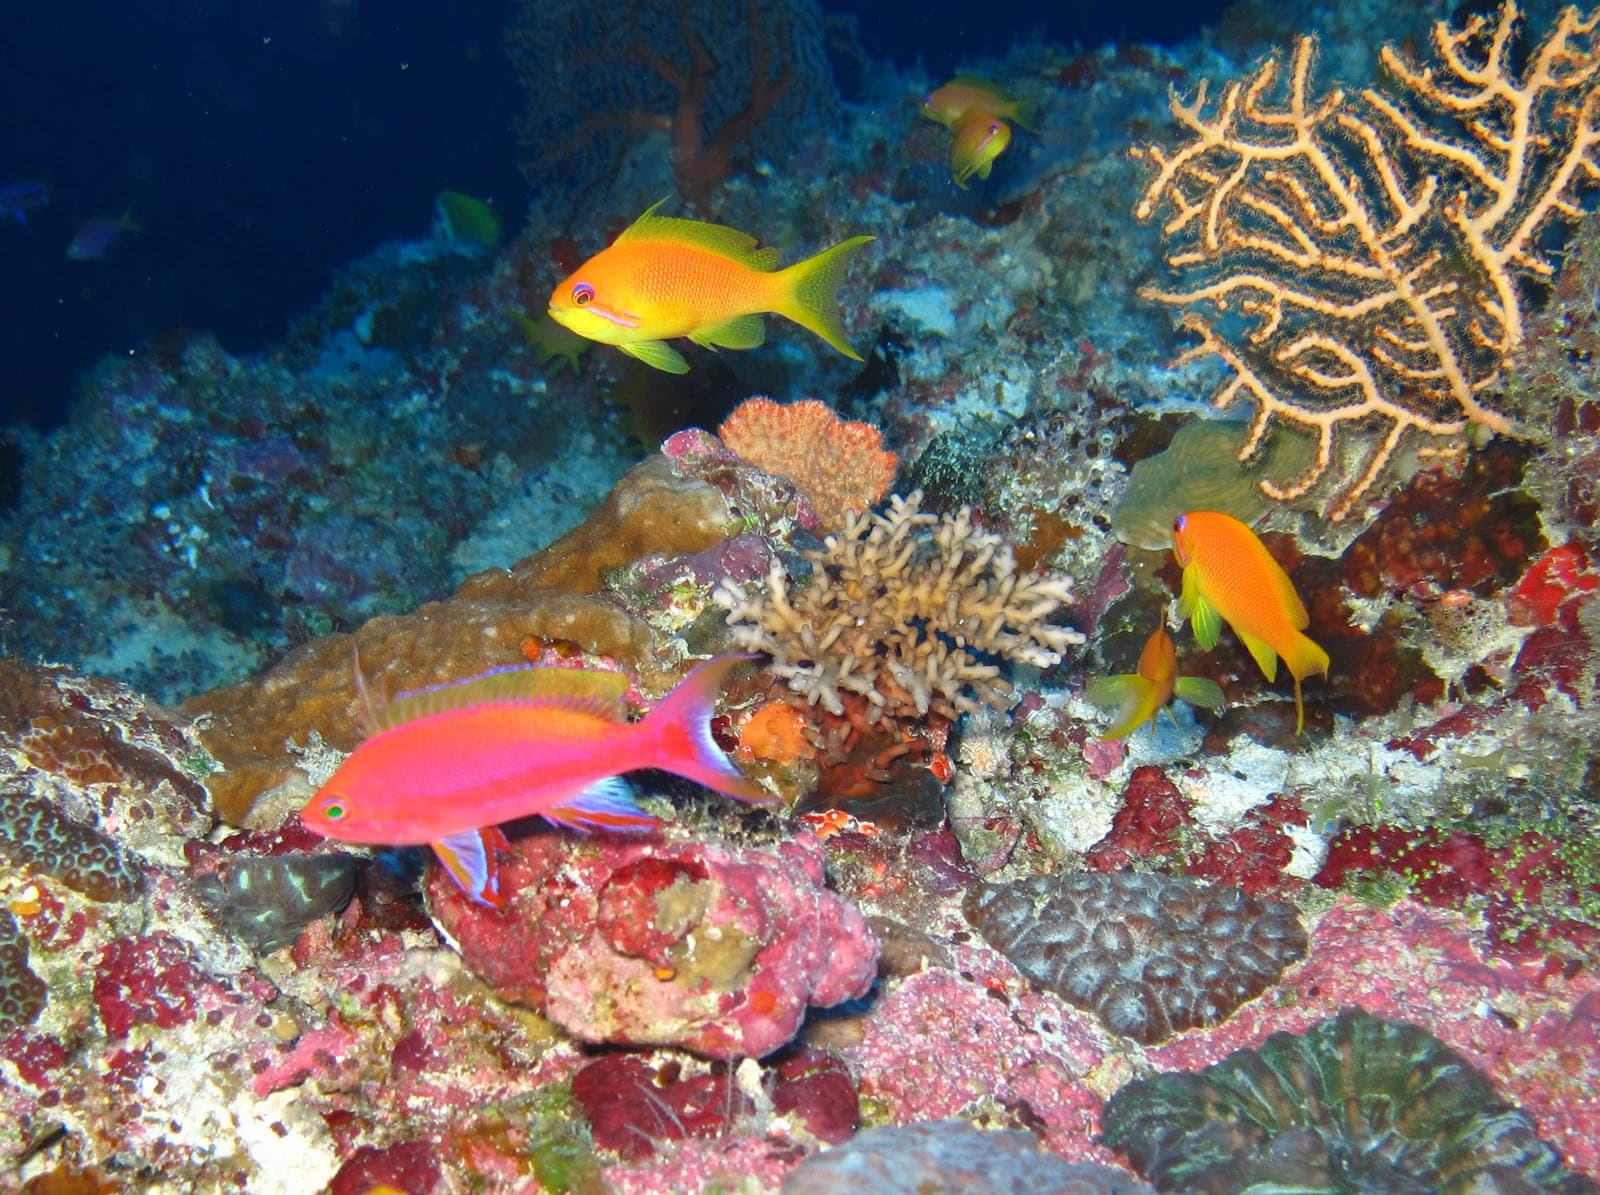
{"x":582,"y":293}
{"x":1177,"y":523}
{"x":334,"y":809}
{"x":994,"y":128}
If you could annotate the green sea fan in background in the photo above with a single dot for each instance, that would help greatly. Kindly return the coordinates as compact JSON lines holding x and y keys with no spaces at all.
{"x":1354,"y":1104}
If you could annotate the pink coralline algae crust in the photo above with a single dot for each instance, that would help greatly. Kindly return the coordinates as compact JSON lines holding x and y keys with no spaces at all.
{"x":1156,"y":826}
{"x":940,"y":1045}
{"x":1148,"y":823}
{"x":412,"y":1166}
{"x":718,"y":951}
{"x":818,"y":1091}
{"x":1536,"y":1035}
{"x":145,"y":981}
{"x":634,"y":1104}
{"x":1527,"y":887}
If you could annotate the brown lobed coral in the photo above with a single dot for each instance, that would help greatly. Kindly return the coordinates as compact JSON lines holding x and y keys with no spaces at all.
{"x":1149,"y":955}
{"x":909,"y":611}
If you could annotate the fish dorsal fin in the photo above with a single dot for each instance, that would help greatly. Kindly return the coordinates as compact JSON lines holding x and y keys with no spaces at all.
{"x":718,"y":238}
{"x":579,"y":690}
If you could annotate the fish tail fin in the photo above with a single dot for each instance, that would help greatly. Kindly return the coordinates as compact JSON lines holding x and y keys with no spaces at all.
{"x":680,"y":732}
{"x":1025,"y":112}
{"x":809,"y":293}
{"x":1304,"y":658}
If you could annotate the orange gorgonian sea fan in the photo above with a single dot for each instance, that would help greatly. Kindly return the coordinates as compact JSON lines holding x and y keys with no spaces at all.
{"x":838,"y":465}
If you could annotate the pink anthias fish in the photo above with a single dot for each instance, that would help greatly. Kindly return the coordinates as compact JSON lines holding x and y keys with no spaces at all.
{"x":446,"y":766}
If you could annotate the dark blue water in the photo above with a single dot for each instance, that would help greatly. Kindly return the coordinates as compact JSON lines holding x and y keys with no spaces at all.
{"x":261,"y":145}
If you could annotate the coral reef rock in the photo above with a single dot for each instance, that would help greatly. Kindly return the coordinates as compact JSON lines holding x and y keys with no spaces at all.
{"x":553,"y":595}
{"x":1356,"y":1103}
{"x":718,"y":951}
{"x":1149,"y":955}
{"x":943,"y":1157}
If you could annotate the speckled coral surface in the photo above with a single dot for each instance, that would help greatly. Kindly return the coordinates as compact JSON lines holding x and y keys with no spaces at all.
{"x":664,"y":943}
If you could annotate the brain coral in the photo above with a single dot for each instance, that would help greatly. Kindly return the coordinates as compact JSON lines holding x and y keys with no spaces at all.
{"x":22,"y":994}
{"x":1149,"y":955}
{"x":1354,"y":1104}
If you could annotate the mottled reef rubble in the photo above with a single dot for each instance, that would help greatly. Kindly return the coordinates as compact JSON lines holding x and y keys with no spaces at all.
{"x":967,"y":907}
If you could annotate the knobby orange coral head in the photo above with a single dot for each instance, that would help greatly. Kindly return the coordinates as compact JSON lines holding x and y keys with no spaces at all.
{"x":838,"y":465}
{"x":665,"y":278}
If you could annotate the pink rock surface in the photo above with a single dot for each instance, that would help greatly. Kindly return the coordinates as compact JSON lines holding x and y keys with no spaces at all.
{"x":715,"y":950}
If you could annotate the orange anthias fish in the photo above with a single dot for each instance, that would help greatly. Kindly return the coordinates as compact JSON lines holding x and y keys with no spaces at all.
{"x":1141,"y":695}
{"x":664,"y":278}
{"x":966,"y":94}
{"x":445,"y":766}
{"x":1229,"y":576}
{"x":978,"y":141}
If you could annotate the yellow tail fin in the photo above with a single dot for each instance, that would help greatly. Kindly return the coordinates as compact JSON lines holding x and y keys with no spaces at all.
{"x":809,"y":293}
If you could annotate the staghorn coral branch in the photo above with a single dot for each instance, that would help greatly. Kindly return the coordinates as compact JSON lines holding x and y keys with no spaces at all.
{"x":1373,"y":243}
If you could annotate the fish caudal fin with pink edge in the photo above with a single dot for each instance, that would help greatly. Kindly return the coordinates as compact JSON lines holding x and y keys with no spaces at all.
{"x":680,"y":739}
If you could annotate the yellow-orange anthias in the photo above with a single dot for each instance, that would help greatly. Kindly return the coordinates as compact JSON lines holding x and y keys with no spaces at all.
{"x":979,"y":139}
{"x":664,"y":278}
{"x":1229,"y":576}
{"x":967,"y":94}
{"x":1140,"y":695}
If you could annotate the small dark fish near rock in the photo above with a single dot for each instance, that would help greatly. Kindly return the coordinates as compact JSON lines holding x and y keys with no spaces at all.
{"x":267,"y":900}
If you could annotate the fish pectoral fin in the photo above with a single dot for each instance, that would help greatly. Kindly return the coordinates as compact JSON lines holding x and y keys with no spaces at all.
{"x":1265,"y":657}
{"x":1198,"y":690}
{"x":469,"y":858}
{"x":1134,"y":698}
{"x":1203,"y":618}
{"x":657,"y":354}
{"x":1202,"y":615}
{"x":744,"y":332}
{"x":607,"y":804}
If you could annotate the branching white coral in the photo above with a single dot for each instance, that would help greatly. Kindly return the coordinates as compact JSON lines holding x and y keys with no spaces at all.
{"x":908,"y":610}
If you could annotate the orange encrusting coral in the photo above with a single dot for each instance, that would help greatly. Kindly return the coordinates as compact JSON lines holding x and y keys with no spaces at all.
{"x":775,"y":732}
{"x":838,"y":465}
